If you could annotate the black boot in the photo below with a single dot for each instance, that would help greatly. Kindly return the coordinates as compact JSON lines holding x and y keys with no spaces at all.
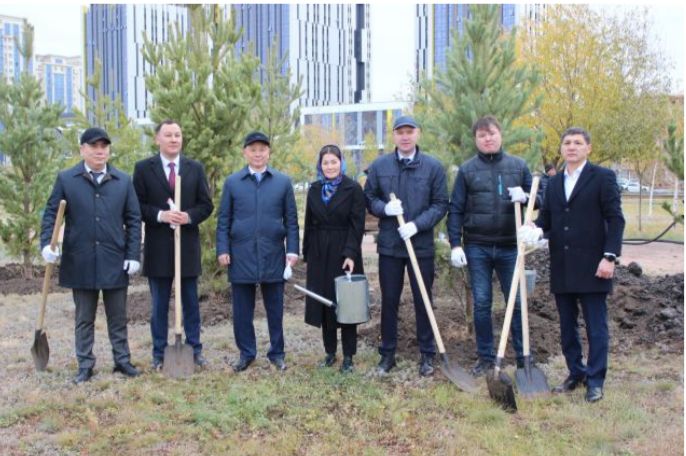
{"x":347,"y":365}
{"x":329,"y":360}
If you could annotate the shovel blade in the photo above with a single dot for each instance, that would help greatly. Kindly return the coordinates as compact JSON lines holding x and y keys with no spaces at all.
{"x":458,"y":375}
{"x":178,"y":360}
{"x":531,"y":380}
{"x":40,"y":351}
{"x":501,"y":390}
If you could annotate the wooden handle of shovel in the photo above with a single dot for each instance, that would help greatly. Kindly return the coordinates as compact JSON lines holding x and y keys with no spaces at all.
{"x":522,"y":285}
{"x":518,"y":272}
{"x":177,"y":261}
{"x":49,"y":267}
{"x":422,"y":287}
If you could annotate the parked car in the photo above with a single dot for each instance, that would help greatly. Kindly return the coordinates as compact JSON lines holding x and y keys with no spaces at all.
{"x":622,"y":182}
{"x":635,"y":187}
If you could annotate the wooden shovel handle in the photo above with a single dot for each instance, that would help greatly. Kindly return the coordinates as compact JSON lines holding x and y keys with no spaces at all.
{"x":522,"y":285}
{"x":422,"y":287}
{"x":177,"y":261}
{"x":49,"y":267}
{"x":509,"y":310}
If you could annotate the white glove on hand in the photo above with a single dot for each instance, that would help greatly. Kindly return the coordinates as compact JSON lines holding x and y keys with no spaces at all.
{"x":287,"y":272}
{"x":458,"y":258}
{"x":407,"y":230}
{"x":172,"y":207}
{"x":530,"y":235}
{"x":517,"y":194}
{"x":131,"y":266}
{"x":49,"y":255}
{"x":394,"y":208}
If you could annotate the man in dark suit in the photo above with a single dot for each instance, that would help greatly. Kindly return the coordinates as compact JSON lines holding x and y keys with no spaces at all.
{"x":154,"y":179}
{"x":102,"y":237}
{"x":583,"y":214}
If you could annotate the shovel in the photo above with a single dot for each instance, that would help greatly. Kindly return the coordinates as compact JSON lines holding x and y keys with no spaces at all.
{"x":178,"y":358}
{"x":456,"y":374}
{"x":500,"y":386}
{"x":530,"y":380}
{"x":40,"y":351}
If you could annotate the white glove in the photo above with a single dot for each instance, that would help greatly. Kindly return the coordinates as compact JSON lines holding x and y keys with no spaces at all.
{"x":394,"y":208}
{"x":49,"y":255}
{"x":530,"y":235}
{"x":287,"y":272}
{"x":407,"y":230}
{"x":172,"y":207}
{"x":131,"y":266}
{"x":458,"y":258}
{"x":517,"y":194}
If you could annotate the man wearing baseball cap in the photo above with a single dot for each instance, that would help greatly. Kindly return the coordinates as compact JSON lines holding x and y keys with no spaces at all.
{"x":101,"y":247}
{"x":257,"y":213}
{"x":419,"y":182}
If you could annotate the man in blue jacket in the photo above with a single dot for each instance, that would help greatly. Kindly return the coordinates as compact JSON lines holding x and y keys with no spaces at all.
{"x":101,"y":247}
{"x":482,"y":231}
{"x":419,"y":182}
{"x":582,"y":214}
{"x":257,"y":213}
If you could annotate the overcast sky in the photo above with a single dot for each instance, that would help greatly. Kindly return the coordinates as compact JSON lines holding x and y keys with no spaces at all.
{"x":59,"y":31}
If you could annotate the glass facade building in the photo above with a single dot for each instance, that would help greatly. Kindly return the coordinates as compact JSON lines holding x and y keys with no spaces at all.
{"x":62,"y":80}
{"x":11,"y":61}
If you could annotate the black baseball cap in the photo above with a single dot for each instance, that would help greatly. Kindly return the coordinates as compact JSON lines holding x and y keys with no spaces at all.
{"x":93,"y":135}
{"x":405,"y":121}
{"x":255,"y":136}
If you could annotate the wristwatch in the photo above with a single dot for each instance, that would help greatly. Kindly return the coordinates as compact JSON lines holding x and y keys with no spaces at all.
{"x":611,"y":257}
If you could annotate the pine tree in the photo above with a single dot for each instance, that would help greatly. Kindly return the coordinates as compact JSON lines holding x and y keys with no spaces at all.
{"x":673,"y":158}
{"x":32,"y":141}
{"x":481,"y":77}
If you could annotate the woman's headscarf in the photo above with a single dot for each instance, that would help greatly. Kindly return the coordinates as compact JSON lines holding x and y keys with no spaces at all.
{"x":329,"y":187}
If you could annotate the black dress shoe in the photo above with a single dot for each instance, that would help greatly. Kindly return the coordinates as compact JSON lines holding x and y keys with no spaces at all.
{"x":127,"y":369}
{"x":329,"y":360}
{"x":347,"y":365}
{"x":570,"y":384}
{"x":242,"y":364}
{"x":279,"y":363}
{"x":482,"y":367}
{"x":385,"y":365}
{"x":594,"y":393}
{"x":426,"y":366}
{"x":200,"y":360}
{"x":83,"y":375}
{"x":157,"y":363}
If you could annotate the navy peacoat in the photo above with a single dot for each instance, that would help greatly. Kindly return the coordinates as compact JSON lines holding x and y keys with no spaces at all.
{"x":253,"y":221}
{"x":582,"y":229}
{"x":102,"y":228}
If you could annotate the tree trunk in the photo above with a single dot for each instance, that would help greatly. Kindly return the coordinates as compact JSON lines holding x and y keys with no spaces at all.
{"x":27,"y":267}
{"x":675,"y":199}
{"x":652,"y":190}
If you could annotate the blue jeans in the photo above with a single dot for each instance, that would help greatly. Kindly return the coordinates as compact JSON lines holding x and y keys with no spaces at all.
{"x":160,"y":289}
{"x":482,"y":260}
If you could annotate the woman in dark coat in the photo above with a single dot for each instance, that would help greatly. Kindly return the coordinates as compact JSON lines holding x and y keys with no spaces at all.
{"x":332,"y":244}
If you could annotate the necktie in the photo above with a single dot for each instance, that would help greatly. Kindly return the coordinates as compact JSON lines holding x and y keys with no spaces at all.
{"x":96,"y":176}
{"x":405,"y":161}
{"x":258,"y":177}
{"x":172,"y":176}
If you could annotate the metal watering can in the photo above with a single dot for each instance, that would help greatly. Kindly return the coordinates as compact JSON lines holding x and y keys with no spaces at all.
{"x":352,"y":298}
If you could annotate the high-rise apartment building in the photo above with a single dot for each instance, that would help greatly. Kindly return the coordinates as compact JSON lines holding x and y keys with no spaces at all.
{"x":437,"y":22}
{"x":114,"y":37}
{"x":327,"y":46}
{"x":11,"y":60}
{"x":62,"y":80}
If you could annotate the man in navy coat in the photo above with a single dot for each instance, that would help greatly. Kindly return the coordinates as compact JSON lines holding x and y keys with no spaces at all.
{"x":582,"y":212}
{"x":154,"y":179}
{"x":101,"y":247}
{"x":257,"y":213}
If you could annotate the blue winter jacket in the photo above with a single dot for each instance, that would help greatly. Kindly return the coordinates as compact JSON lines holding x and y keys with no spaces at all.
{"x":253,"y":221}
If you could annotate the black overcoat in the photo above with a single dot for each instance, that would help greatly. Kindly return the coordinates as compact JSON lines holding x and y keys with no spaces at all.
{"x":582,"y":229}
{"x":333,"y":233}
{"x":152,"y":188}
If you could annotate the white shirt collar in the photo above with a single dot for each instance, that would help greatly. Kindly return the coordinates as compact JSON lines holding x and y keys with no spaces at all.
{"x":165,"y":162}
{"x":411,"y":156}
{"x":88,"y":169}
{"x":252,"y":171}
{"x":577,"y":172}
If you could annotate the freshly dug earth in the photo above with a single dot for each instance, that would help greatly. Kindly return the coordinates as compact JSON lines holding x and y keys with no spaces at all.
{"x":643,"y":310}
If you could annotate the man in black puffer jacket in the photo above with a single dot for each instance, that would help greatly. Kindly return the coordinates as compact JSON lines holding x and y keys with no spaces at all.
{"x":482,"y":232}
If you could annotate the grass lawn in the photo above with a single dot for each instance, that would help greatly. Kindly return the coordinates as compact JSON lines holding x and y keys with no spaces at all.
{"x":652,"y":225}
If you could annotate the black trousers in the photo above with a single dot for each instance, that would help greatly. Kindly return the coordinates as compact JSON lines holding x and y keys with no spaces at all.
{"x":391,"y":278}
{"x":86,"y":302}
{"x":348,"y":337}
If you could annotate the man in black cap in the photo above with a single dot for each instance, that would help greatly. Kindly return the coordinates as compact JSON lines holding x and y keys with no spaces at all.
{"x":257,"y":213}
{"x":101,"y":247}
{"x":419,"y":182}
